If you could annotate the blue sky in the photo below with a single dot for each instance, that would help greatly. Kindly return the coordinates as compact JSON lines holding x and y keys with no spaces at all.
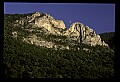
{"x":99,"y":17}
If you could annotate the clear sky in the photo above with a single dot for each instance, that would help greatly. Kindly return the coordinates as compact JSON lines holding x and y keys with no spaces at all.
{"x":99,"y":17}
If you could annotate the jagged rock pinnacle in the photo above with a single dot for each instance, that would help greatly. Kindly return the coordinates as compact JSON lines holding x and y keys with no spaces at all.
{"x":77,"y":30}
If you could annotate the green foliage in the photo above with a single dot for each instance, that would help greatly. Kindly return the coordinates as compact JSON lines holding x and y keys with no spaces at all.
{"x":108,"y":37}
{"x":25,"y":60}
{"x":13,"y":17}
{"x":22,"y":60}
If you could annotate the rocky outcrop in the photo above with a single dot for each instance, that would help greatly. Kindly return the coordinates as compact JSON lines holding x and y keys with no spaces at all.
{"x":38,"y":41}
{"x":43,"y":22}
{"x":31,"y":18}
{"x":84,"y":34}
{"x":77,"y":31}
{"x":33,"y":39}
{"x":58,"y":24}
{"x":48,"y":22}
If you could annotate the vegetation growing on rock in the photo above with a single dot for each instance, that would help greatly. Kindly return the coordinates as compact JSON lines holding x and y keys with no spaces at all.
{"x":23,"y":60}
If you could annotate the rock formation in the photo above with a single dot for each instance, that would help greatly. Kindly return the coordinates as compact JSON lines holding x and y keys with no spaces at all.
{"x":84,"y":34}
{"x":77,"y":31}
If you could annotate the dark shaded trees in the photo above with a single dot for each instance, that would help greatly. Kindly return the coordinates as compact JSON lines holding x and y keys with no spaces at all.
{"x":22,"y":60}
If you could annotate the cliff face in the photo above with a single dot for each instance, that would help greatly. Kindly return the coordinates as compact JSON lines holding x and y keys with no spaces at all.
{"x":44,"y":24}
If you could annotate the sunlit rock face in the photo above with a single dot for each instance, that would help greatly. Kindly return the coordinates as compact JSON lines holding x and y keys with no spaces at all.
{"x":43,"y":22}
{"x":48,"y":22}
{"x":86,"y":34}
{"x":49,"y":25}
{"x":38,"y":41}
{"x":58,"y":24}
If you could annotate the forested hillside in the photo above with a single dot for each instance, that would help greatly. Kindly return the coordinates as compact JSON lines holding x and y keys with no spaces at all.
{"x":23,"y":60}
{"x":108,"y":37}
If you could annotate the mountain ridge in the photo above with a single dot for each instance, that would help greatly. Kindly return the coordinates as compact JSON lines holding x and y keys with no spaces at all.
{"x":68,"y":58}
{"x":39,"y":24}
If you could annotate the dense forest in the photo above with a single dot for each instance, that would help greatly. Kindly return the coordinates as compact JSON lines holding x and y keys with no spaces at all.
{"x":108,"y":37}
{"x":23,"y":60}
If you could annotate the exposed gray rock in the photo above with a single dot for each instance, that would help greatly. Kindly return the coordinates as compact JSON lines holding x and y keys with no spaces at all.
{"x":38,"y":41}
{"x":58,"y":23}
{"x":85,"y":34}
{"x":77,"y":31}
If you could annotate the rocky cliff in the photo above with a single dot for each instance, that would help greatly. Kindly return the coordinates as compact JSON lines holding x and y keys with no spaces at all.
{"x":40,"y":26}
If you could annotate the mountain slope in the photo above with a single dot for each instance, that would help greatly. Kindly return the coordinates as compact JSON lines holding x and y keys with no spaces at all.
{"x":38,"y":28}
{"x":24,"y":59}
{"x":108,"y":37}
